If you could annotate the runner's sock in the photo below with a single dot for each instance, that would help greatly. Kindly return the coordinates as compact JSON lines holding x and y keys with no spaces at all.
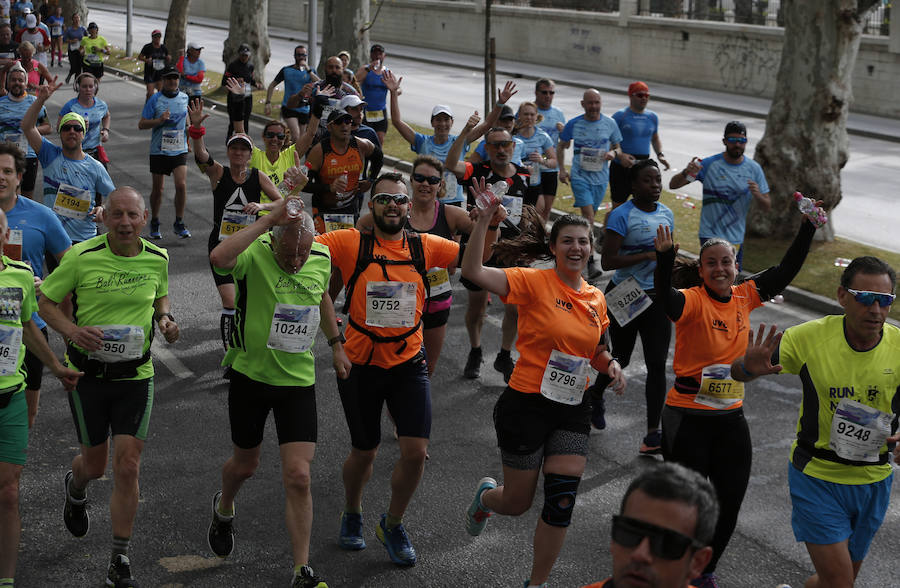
{"x":120,"y":546}
{"x":353,"y":509}
{"x":390,"y":521}
{"x":76,"y":493}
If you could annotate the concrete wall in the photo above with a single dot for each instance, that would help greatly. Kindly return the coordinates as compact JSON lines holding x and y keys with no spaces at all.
{"x":716,"y":56}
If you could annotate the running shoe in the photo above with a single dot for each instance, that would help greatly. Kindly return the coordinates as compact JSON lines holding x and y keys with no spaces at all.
{"x":473,"y":364}
{"x":221,"y":532}
{"x":75,"y":512}
{"x":351,"y":531}
{"x":154,"y":229}
{"x":396,"y":541}
{"x":504,"y":364}
{"x":705,"y":581}
{"x":307,"y":578}
{"x":477,"y":515}
{"x":598,"y":415}
{"x":119,"y":574}
{"x":652,"y":443}
{"x":181,"y":230}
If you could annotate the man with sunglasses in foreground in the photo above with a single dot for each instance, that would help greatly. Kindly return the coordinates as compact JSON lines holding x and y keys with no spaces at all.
{"x":384,"y":273}
{"x":661,"y":535}
{"x":730,"y":183}
{"x":840,"y":472}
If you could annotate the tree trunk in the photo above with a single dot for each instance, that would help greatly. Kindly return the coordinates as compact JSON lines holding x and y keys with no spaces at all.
{"x":805,"y":145}
{"x":71,"y":6}
{"x":249,"y":24}
{"x":344,"y":28}
{"x":176,"y":29}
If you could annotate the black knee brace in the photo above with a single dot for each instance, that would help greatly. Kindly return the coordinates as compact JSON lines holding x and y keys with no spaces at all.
{"x":559,"y":498}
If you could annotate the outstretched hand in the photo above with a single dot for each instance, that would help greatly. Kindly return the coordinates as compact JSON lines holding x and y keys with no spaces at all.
{"x":758,"y":358}
{"x":663,"y":240}
{"x":391,"y":81}
{"x":195,"y":113}
{"x":508,"y":91}
{"x":44,"y":91}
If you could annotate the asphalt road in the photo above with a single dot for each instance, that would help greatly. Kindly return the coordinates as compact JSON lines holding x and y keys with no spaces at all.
{"x":189,"y":440}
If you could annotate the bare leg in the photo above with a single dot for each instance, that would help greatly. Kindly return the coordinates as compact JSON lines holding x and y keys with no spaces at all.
{"x":240,"y":467}
{"x":10,"y":523}
{"x":357,"y":471}
{"x":434,"y":342}
{"x":407,"y":473}
{"x":510,"y":328}
{"x":33,"y":398}
{"x":475,"y":316}
{"x":180,"y":176}
{"x":156,"y":194}
{"x":834,"y":569}
{"x":295,"y":465}
{"x":123,"y":503}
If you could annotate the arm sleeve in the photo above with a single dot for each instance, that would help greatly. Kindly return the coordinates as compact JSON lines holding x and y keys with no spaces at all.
{"x":519,"y":290}
{"x":62,"y":280}
{"x":149,"y":111}
{"x":439,"y":252}
{"x":775,"y":279}
{"x":376,"y":161}
{"x":617,"y":222}
{"x":566,"y":133}
{"x":672,"y":299}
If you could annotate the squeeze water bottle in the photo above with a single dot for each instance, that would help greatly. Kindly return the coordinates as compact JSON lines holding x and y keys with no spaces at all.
{"x":808,"y":207}
{"x":690,"y":177}
{"x":496,"y":190}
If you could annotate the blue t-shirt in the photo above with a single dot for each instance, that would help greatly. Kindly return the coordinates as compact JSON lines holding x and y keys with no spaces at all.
{"x":518,"y":150}
{"x":591,"y":139}
{"x":85,"y":174}
{"x":374,"y":90}
{"x":11,"y":113}
{"x":726,"y":197}
{"x":637,"y":130}
{"x":191,"y":69}
{"x":94,"y":116}
{"x":294,"y":80}
{"x":174,"y":130}
{"x":41,"y":233}
{"x":538,"y":143}
{"x":638,"y":229}
{"x":551,"y":116}
{"x":425,"y":145}
{"x":56,"y":21}
{"x":73,"y":36}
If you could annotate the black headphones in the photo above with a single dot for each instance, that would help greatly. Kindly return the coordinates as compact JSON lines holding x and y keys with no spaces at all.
{"x":90,"y":75}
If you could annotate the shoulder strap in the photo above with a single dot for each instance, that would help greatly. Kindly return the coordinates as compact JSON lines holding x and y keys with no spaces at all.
{"x":363,"y":258}
{"x":417,"y":252}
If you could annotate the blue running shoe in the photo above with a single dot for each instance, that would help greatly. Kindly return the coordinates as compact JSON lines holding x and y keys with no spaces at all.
{"x":396,"y":541}
{"x":154,"y":229}
{"x":477,"y":515}
{"x":351,"y":532}
{"x":181,"y":230}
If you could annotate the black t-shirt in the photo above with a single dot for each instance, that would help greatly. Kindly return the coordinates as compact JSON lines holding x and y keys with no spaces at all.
{"x":9,"y":50}
{"x":155,"y":53}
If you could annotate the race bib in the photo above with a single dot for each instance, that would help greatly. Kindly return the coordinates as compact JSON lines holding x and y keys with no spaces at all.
{"x":10,"y":346}
{"x":374,"y":116}
{"x":565,"y":378}
{"x":390,"y":304}
{"x":513,"y":206}
{"x":334,"y":222}
{"x":858,"y":431}
{"x":592,"y":159}
{"x":172,"y":141}
{"x":72,"y":202}
{"x":92,"y":58}
{"x":159,"y":64}
{"x":13,"y":247}
{"x":451,"y":185}
{"x":438,"y":281}
{"x":120,"y":343}
{"x":293,"y":328}
{"x":18,"y":139}
{"x":232,"y":222}
{"x":627,"y":300}
{"x":56,"y":30}
{"x":74,"y":45}
{"x":717,"y":389}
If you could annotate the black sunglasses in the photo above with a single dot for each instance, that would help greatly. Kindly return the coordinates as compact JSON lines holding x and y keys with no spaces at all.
{"x":384,"y":199}
{"x":76,"y":128}
{"x":300,"y":54}
{"x":433,"y":180}
{"x":271,"y":135}
{"x":501,"y":144}
{"x":664,"y":543}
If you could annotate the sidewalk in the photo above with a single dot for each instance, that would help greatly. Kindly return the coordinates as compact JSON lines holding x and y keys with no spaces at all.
{"x":864,"y":125}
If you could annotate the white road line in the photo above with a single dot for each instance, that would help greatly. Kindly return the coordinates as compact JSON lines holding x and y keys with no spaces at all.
{"x":168,"y":359}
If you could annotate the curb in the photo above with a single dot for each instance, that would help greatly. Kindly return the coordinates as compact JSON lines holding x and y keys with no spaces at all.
{"x":808,"y":300}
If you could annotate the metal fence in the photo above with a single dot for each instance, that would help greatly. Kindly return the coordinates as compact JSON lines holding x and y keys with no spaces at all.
{"x":755,"y":12}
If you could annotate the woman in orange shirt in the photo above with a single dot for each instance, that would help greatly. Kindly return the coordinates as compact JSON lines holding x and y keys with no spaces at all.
{"x":542,"y":419}
{"x":703,"y":420}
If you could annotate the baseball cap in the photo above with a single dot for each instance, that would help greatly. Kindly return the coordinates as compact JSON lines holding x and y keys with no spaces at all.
{"x":441,"y":109}
{"x":350,"y":101}
{"x":156,"y":32}
{"x":239,"y":137}
{"x":30,"y":21}
{"x":93,"y":25}
{"x":636,"y":87}
{"x":72,"y":116}
{"x":169,"y":71}
{"x":244,"y":49}
{"x":196,"y":46}
{"x":507,"y":112}
{"x":337,"y":114}
{"x":735,"y":127}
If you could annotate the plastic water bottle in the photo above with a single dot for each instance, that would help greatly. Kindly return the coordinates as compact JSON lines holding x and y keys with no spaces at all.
{"x":808,"y":207}
{"x":495,"y":192}
{"x":841,"y":262}
{"x":293,"y":207}
{"x":286,"y":187}
{"x":690,"y":177}
{"x":688,"y":203}
{"x":681,"y":196}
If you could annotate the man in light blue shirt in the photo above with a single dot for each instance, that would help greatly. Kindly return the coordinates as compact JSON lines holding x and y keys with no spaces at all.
{"x":730,"y":183}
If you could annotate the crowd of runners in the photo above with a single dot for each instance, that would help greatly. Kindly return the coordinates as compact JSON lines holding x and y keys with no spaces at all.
{"x":311,"y":219}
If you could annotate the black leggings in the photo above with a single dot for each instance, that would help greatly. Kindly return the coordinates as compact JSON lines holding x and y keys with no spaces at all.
{"x":717,"y":445}
{"x":655,"y":329}
{"x":74,"y":65}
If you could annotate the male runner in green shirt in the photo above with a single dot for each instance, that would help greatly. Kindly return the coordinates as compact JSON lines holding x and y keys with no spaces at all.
{"x":120,"y":283}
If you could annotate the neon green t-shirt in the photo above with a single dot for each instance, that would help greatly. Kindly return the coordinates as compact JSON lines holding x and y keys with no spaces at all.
{"x":840,"y":387}
{"x":115,"y":293}
{"x":93,"y":49}
{"x":277,"y":315}
{"x":17,"y":300}
{"x":275,"y":171}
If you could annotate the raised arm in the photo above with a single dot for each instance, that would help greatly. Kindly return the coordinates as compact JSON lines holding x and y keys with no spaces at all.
{"x":673,"y":300}
{"x":490,"y":121}
{"x":29,"y":121}
{"x":393,"y":84}
{"x":452,"y":162}
{"x":205,"y":162}
{"x":477,"y":252}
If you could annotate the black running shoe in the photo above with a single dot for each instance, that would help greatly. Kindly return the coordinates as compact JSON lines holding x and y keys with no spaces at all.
{"x":473,"y":364}
{"x":119,"y":574}
{"x":221,"y":533}
{"x":75,"y":512}
{"x":307,"y":578}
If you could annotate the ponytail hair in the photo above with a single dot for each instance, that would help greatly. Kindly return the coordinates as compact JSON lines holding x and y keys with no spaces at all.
{"x":533,"y":242}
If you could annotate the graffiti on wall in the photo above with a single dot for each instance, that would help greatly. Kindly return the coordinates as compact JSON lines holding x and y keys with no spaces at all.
{"x":582,"y":41}
{"x":747,"y":65}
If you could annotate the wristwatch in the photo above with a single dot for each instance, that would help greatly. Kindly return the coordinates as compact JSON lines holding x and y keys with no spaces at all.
{"x":167,"y":315}
{"x":339,"y":339}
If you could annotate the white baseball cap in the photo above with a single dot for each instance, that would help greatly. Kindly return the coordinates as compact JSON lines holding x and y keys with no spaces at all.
{"x":441,"y":109}
{"x":350,"y":101}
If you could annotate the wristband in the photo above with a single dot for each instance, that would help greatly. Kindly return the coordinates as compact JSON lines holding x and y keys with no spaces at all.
{"x":660,"y":154}
{"x":107,"y":130}
{"x":196,"y":132}
{"x":167,"y":315}
{"x":339,"y":339}
{"x":745,"y":370}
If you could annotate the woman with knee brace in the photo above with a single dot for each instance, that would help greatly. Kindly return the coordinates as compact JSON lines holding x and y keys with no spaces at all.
{"x":542,"y":419}
{"x":703,"y":420}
